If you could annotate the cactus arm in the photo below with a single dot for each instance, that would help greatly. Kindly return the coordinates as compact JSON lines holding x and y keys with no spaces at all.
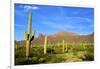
{"x":32,"y":36}
{"x":25,"y":37}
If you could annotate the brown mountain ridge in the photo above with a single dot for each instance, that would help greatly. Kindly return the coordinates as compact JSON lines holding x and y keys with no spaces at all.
{"x":69,"y":37}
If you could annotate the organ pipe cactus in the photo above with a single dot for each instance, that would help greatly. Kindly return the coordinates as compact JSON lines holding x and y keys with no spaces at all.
{"x":28,"y":36}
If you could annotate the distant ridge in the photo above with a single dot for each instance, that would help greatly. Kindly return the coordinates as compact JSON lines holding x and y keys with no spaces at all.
{"x":69,"y":37}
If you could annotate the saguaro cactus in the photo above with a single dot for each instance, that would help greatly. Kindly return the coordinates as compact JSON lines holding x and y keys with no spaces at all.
{"x":58,"y":44}
{"x":45,"y":44}
{"x":28,"y":36}
{"x":66,"y":46}
{"x":63,"y":44}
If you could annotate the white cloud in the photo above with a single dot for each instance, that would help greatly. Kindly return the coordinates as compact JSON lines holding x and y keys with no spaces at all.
{"x":31,"y":7}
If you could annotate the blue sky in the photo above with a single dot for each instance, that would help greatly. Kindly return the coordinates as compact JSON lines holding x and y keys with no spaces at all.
{"x":52,"y":19}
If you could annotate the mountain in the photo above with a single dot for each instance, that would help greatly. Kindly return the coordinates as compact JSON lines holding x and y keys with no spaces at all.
{"x":69,"y":37}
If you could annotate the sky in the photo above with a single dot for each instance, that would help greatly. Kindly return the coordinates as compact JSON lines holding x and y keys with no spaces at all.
{"x":47,"y":19}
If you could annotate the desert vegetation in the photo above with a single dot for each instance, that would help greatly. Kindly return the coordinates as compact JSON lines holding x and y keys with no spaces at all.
{"x":55,"y":53}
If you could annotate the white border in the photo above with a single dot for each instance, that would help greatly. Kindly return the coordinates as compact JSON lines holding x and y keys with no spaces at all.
{"x":75,"y":3}
{"x":12,"y":35}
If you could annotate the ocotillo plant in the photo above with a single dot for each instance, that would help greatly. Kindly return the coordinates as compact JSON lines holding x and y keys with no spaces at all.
{"x":28,"y":36}
{"x":45,"y":44}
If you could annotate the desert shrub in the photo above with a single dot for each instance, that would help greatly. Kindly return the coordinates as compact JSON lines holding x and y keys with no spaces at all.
{"x":20,"y":52}
{"x":35,"y":52}
{"x":42,"y":60}
{"x":33,"y":60}
{"x":57,"y":51}
{"x":90,"y":49}
{"x":86,"y":56}
{"x":50,"y":50}
{"x":89,"y":56}
{"x":20,"y":61}
{"x":23,"y":61}
{"x":78,"y":48}
{"x":54,"y":58}
{"x":81,"y":55}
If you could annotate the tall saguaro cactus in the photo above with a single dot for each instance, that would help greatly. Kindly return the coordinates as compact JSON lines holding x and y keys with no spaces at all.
{"x":45,"y":44}
{"x":28,"y":36}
